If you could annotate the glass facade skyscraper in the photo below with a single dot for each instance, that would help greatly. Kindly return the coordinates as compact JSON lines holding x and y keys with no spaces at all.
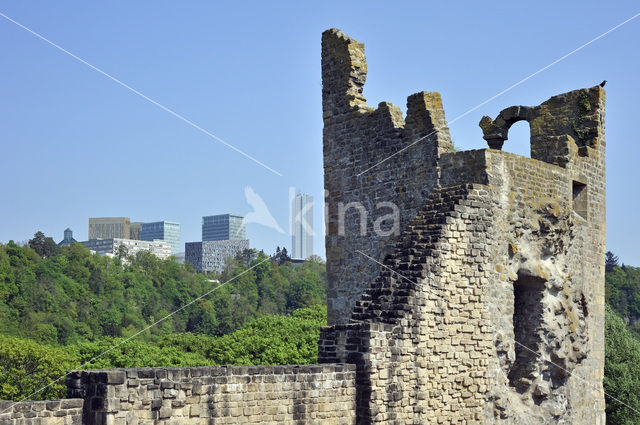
{"x":134,"y":230}
{"x":302,"y":226}
{"x":164,"y":230}
{"x":109,"y":227}
{"x":223,"y":227}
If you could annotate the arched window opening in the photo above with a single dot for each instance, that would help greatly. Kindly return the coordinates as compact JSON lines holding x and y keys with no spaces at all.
{"x":519,"y":141}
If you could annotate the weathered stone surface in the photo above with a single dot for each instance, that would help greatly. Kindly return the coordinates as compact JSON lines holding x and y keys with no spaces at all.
{"x":489,"y":306}
{"x":356,"y":138}
{"x":48,"y":412}
{"x":314,"y":394}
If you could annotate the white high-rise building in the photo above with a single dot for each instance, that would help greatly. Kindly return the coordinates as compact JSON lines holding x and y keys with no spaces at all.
{"x":302,"y":226}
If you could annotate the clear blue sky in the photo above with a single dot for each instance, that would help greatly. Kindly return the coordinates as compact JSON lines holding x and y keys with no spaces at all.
{"x":75,"y":144}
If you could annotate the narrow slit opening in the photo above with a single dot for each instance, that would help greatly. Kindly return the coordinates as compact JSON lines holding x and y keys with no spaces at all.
{"x":528,"y":292}
{"x":580,"y":199}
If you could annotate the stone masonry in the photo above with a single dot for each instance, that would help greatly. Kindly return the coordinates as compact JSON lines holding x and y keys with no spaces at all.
{"x":217,"y":395}
{"x":357,"y":137}
{"x":48,"y":412}
{"x":256,"y":395}
{"x":489,"y":305}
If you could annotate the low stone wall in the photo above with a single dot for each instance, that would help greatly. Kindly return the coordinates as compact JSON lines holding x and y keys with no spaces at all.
{"x":49,"y":412}
{"x":314,"y":394}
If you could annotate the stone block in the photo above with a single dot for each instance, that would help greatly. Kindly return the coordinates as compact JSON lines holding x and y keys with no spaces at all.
{"x":164,"y":412}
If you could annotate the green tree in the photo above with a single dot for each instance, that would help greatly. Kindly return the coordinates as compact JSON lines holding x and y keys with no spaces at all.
{"x":306,"y":286}
{"x":122,"y":252}
{"x":45,"y":247}
{"x":202,"y":318}
{"x":621,"y":371}
{"x":267,"y":340}
{"x":622,"y":291}
{"x":116,"y":353}
{"x":610,"y":261}
{"x":246,"y":256}
{"x":281,"y":256}
{"x":75,"y":296}
{"x":27,"y":366}
{"x":8,"y":287}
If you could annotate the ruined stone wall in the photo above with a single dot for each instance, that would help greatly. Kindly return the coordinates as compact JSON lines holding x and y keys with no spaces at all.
{"x":217,"y":395}
{"x":421,"y":337}
{"x":554,"y":221}
{"x":484,"y":264}
{"x":490,"y":305}
{"x":356,"y":138}
{"x":544,"y":299}
{"x":49,"y":412}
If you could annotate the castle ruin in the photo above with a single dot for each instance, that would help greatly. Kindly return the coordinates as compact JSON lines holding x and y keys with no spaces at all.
{"x":464,"y":287}
{"x":488,"y":306}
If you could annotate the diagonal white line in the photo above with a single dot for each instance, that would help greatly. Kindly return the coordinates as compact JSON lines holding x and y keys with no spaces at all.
{"x":544,"y":68}
{"x":535,"y":353}
{"x":131,"y":89}
{"x":136,"y":334}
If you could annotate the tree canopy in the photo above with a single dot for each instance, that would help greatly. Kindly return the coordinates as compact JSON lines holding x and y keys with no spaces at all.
{"x":622,"y":293}
{"x":27,"y":366}
{"x":73,"y":295}
{"x":44,"y":246}
{"x":621,"y":371}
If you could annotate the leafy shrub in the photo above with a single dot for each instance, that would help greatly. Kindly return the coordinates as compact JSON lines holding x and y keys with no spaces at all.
{"x":621,"y":371}
{"x":26,"y":367}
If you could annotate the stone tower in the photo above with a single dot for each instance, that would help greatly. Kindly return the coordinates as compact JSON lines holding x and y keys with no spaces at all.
{"x":467,"y":287}
{"x":356,"y":138}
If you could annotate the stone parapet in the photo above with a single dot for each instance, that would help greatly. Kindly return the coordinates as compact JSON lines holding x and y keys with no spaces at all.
{"x":315,"y":394}
{"x":48,"y":412}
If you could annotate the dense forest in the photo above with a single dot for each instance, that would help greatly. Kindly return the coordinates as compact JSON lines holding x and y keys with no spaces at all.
{"x":62,"y":308}
{"x":623,"y":291}
{"x":70,"y":295}
{"x":622,"y":342}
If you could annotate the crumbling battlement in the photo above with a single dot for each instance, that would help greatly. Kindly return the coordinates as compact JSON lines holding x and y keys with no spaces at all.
{"x":357,"y":137}
{"x":489,"y":305}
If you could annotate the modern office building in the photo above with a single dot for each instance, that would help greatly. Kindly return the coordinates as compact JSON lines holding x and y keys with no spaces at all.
{"x":302,"y":226}
{"x":68,"y":238}
{"x":109,"y":227}
{"x":100,"y":246}
{"x":134,"y":230}
{"x":162,"y":230}
{"x":208,"y":256}
{"x":110,"y":246}
{"x":223,"y":227}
